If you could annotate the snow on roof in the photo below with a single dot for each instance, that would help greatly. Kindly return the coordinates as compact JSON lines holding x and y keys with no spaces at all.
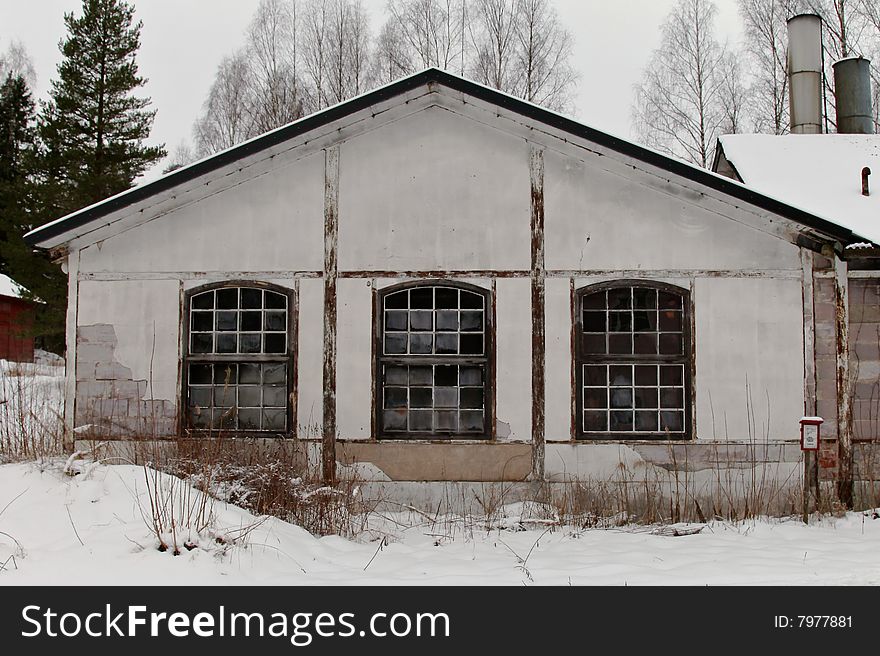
{"x":8,"y":287}
{"x":821,"y":174}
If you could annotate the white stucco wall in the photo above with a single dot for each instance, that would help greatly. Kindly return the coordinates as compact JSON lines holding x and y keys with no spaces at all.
{"x":513,"y":355}
{"x":354,"y":368}
{"x":749,"y":356}
{"x":310,"y":340}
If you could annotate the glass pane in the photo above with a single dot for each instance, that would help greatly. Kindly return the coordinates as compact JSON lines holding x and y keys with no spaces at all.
{"x":445,"y":397}
{"x":646,"y":374}
{"x":421,"y":343}
{"x":396,"y":320}
{"x":227,"y":321}
{"x":594,"y":344}
{"x":594,"y":322}
{"x":621,"y":397}
{"x":595,"y":397}
{"x":619,"y":299}
{"x":645,"y":343}
{"x":595,"y":375}
{"x":644,"y":298}
{"x":472,"y":321}
{"x":421,"y":376}
{"x":225,"y":374}
{"x":274,"y":321}
{"x":395,"y":397}
{"x":672,"y":398}
{"x":595,"y":421}
{"x":395,"y":343}
{"x":619,"y":322}
{"x":251,"y":320}
{"x":669,"y":301}
{"x":200,"y":374}
{"x":201,"y":342}
{"x":203,"y":301}
{"x":446,"y":420}
{"x":421,"y":420}
{"x":249,"y":418}
{"x":275,"y":343}
{"x":620,"y":343}
{"x":672,"y":421}
{"x":250,"y":342}
{"x":224,"y":396}
{"x":395,"y":375}
{"x":670,"y":374}
{"x":252,"y":298}
{"x":670,"y":320}
{"x":226,"y":343}
{"x":470,"y":421}
{"x":646,"y":397}
{"x":446,"y":297}
{"x":471,"y":344}
{"x":594,"y":301}
{"x":275,"y":397}
{"x":420,"y":397}
{"x":644,"y":320}
{"x":421,"y":321}
{"x":620,"y":374}
{"x":200,"y":418}
{"x":249,"y":396}
{"x":203,"y":321}
{"x":397,"y":300}
{"x":447,"y":343}
{"x":200,"y":396}
{"x":621,"y":421}
{"x":470,"y":376}
{"x":447,"y":320}
{"x":394,"y":420}
{"x":223,"y":418}
{"x":275,"y":300}
{"x":249,"y":373}
{"x":227,"y":299}
{"x":274,"y":419}
{"x":274,"y":373}
{"x":471,"y":301}
{"x":646,"y":421}
{"x":422,"y":298}
{"x":445,"y":376}
{"x":471,"y":397}
{"x":671,"y":344}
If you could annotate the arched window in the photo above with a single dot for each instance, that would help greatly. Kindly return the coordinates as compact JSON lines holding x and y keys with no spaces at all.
{"x":238,"y":359}
{"x":433,"y":347}
{"x":633,"y":361}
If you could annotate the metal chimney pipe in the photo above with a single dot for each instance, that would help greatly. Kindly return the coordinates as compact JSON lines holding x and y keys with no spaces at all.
{"x":852,"y":90}
{"x":805,"y":73}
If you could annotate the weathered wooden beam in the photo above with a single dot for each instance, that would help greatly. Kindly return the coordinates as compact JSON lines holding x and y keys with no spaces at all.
{"x":811,"y":459}
{"x":537,"y":273}
{"x":331,"y":245}
{"x":844,"y":393}
{"x":70,"y":349}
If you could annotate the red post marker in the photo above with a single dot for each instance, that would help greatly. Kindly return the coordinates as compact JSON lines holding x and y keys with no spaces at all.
{"x":810,"y":433}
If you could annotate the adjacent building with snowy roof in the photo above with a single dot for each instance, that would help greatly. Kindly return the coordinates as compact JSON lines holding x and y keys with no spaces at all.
{"x":444,"y":283}
{"x":16,"y":320}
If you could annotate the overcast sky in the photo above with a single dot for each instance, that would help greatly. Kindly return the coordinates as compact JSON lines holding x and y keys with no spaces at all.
{"x":184,"y":40}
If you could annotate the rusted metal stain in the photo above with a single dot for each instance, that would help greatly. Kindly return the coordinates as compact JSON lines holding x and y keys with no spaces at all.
{"x":331,"y":246}
{"x":844,"y":398}
{"x":536,"y":176}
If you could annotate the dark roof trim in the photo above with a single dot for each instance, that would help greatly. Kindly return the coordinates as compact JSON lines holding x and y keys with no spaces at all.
{"x":426,"y":77}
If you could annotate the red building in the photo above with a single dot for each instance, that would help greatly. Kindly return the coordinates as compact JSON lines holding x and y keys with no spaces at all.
{"x":16,"y":319}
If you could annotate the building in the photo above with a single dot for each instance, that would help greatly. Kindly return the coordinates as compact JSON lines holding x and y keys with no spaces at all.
{"x":445,"y":283}
{"x":16,"y":320}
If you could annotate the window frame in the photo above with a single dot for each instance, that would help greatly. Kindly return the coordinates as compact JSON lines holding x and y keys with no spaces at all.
{"x":486,"y":360}
{"x":686,"y":359}
{"x":289,"y":358}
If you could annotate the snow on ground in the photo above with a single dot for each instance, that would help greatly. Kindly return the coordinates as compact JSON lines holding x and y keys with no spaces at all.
{"x":94,"y":529}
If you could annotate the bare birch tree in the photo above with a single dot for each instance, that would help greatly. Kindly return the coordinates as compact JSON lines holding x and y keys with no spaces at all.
{"x":225,"y":120}
{"x":677,"y":107}
{"x":493,"y":29}
{"x":391,"y":59}
{"x":433,"y":32}
{"x":16,"y":62}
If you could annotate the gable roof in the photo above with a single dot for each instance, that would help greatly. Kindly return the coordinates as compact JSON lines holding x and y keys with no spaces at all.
{"x":821,"y":174}
{"x":70,"y":223}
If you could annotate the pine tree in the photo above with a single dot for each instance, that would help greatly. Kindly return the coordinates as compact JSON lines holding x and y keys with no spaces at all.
{"x":94,"y":126}
{"x":42,"y":279}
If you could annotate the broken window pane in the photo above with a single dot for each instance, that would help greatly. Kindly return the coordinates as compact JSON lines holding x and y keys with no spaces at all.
{"x":471,"y":397}
{"x":200,"y":374}
{"x":445,"y":375}
{"x":595,"y":322}
{"x":275,"y":343}
{"x":471,"y":344}
{"x":420,"y":397}
{"x":251,"y":321}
